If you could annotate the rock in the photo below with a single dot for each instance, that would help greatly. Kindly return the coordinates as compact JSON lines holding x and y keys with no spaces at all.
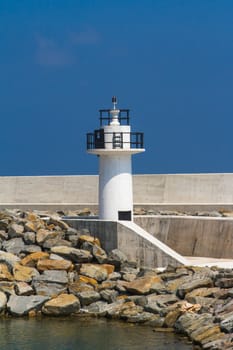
{"x":88,"y":238}
{"x":49,"y":243}
{"x":155,"y":303}
{"x":3,"y":235}
{"x":84,"y":212}
{"x":129,"y":277}
{"x":62,"y":305}
{"x":42,"y":235}
{"x":48,"y":289}
{"x":88,"y":297}
{"x":24,"y":273}
{"x":32,"y":226}
{"x":113,"y":310}
{"x":171,"y":317}
{"x":71,"y":232}
{"x":99,"y":308}
{"x":129,"y":309}
{"x":88,"y":280}
{"x":98,"y":272}
{"x":5,"y":274}
{"x":78,"y":287}
{"x":169,"y":276}
{"x":32,"y":248}
{"x":227,"y":214}
{"x":142,"y":317}
{"x":227,"y":323}
{"x":75,"y":255}
{"x":109,"y":268}
{"x":142,"y":285}
{"x":7,"y":287}
{"x":3,"y":301}
{"x":195,"y":283}
{"x":162,"y":300}
{"x":8,"y":258}
{"x":23,"y":288}
{"x":201,"y":333}
{"x":15,"y":230}
{"x":201,"y":292}
{"x":29,"y":237}
{"x":224,"y":283}
{"x":114,"y":276}
{"x":121,"y":286}
{"x":188,"y":322}
{"x":108,"y":284}
{"x":117,"y":257}
{"x":205,"y":302}
{"x":21,"y":305}
{"x":56,"y":220}
{"x":73,"y":239}
{"x":140,"y":211}
{"x":140,"y":300}
{"x":4,"y":224}
{"x":173,"y":285}
{"x":125,"y":269}
{"x":223,"y":342}
{"x":49,"y":264}
{"x":227,"y":307}
{"x":56,"y":257}
{"x":53,"y":276}
{"x":31,"y":260}
{"x":99,"y":254}
{"x":109,"y":295}
{"x":14,"y":245}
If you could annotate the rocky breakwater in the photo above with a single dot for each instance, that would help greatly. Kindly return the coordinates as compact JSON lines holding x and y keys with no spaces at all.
{"x":48,"y":268}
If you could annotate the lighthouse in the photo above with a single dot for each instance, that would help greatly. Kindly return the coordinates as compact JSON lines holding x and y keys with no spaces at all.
{"x":114,"y":144}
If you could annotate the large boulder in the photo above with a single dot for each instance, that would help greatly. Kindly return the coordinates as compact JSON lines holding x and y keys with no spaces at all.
{"x":24,"y":273}
{"x":117,"y":257}
{"x":73,"y":254}
{"x":15,"y":230}
{"x":7,"y":287}
{"x":98,"y":272}
{"x":87,"y":238}
{"x":21,"y":305}
{"x":193,"y":284}
{"x":5,"y":274}
{"x":142,"y":285}
{"x":43,"y":235}
{"x":64,"y":304}
{"x":52,"y":264}
{"x":48,"y":289}
{"x":32,"y":259}
{"x":88,"y":297}
{"x":53,"y":276}
{"x":99,"y":254}
{"x":14,"y":245}
{"x":8,"y":258}
{"x":23,"y":288}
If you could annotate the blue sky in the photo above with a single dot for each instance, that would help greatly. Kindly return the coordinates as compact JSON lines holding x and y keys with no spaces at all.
{"x":169,"y":61}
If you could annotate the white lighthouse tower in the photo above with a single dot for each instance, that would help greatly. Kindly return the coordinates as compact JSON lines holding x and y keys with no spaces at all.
{"x":114,"y":143}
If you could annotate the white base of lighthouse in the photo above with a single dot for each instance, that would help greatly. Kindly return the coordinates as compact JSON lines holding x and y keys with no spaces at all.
{"x":115,"y":187}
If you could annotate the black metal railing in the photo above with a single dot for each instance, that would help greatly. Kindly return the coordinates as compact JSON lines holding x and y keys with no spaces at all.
{"x":118,"y":140}
{"x":106,"y":118}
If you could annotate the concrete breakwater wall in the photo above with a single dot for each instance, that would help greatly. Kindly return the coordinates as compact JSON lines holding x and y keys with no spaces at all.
{"x":192,"y":236}
{"x":172,"y":190}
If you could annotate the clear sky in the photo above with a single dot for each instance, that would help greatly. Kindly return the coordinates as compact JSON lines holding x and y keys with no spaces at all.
{"x":169,"y":61}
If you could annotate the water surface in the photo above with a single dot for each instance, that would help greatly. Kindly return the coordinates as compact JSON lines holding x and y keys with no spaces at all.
{"x":83,"y":334}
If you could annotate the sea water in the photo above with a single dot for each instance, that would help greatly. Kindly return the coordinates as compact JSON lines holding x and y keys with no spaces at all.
{"x":83,"y":334}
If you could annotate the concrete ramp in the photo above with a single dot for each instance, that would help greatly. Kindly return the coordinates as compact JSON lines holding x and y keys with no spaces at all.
{"x":149,"y":251}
